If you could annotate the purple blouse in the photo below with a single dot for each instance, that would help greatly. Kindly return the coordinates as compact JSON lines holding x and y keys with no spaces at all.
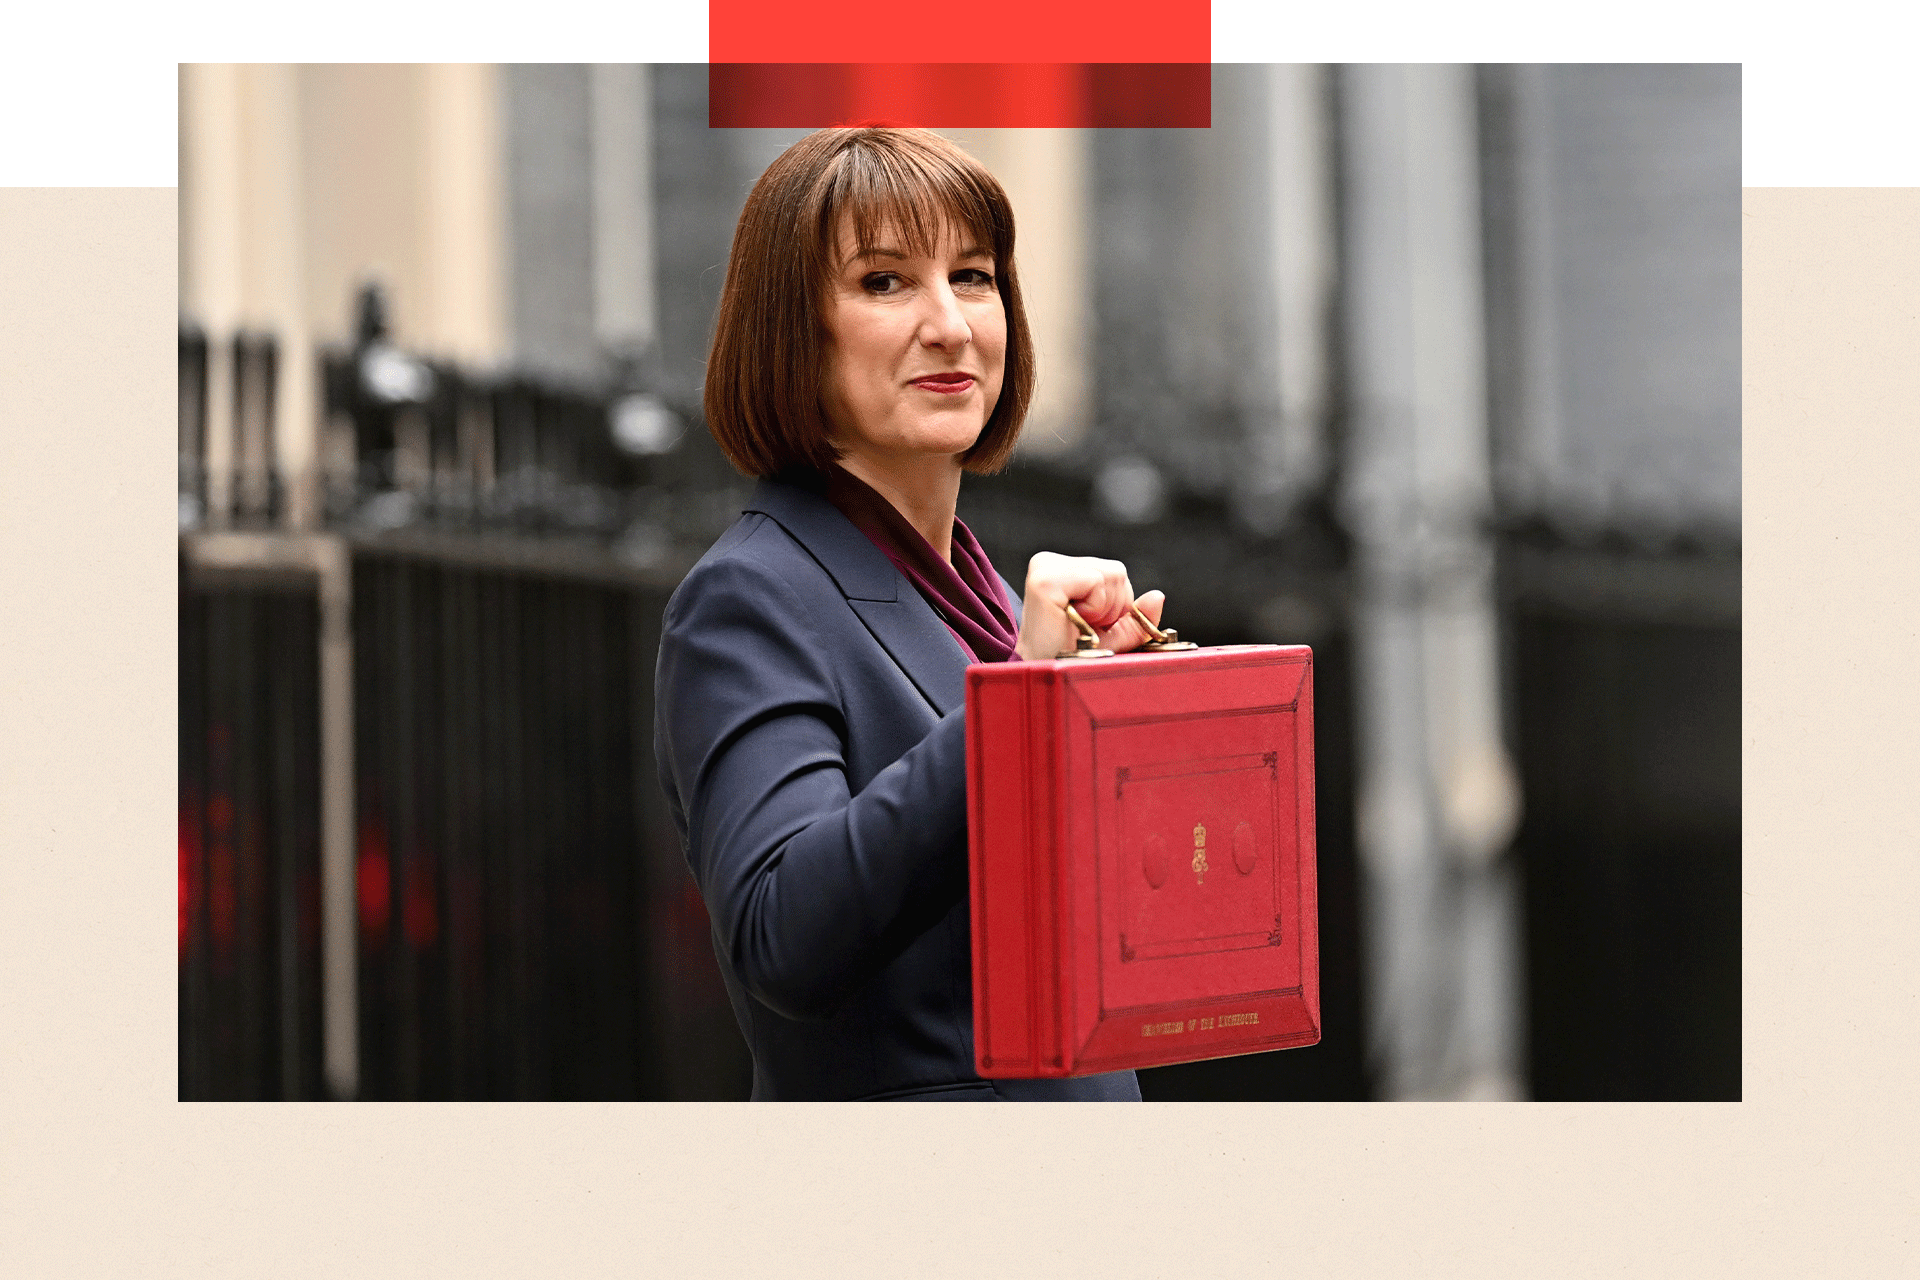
{"x":967,"y":594}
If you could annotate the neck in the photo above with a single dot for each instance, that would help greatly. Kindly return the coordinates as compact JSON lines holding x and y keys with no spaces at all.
{"x":926,"y":490}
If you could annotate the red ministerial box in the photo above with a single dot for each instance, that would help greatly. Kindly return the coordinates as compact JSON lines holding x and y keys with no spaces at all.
{"x":1141,"y":841}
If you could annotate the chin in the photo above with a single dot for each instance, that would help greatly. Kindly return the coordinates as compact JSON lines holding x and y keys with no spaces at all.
{"x":943,"y":437}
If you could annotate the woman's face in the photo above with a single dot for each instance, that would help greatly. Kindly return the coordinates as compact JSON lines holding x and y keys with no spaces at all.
{"x":915,"y":348}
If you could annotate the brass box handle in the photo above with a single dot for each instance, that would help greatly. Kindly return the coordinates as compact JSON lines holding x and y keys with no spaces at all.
{"x":1087,"y":644}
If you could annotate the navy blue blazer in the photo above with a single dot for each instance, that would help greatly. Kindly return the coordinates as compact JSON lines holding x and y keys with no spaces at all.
{"x":811,"y":738}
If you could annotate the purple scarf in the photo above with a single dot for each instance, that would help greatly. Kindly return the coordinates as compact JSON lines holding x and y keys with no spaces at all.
{"x":967,"y":594}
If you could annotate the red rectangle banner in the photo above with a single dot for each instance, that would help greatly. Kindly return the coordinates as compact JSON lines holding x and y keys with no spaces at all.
{"x":987,"y":31}
{"x":957,"y":95}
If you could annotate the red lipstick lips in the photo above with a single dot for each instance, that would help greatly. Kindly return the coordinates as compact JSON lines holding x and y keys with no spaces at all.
{"x":945,"y":383}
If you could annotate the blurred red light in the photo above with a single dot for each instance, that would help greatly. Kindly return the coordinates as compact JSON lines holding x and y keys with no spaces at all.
{"x":373,"y":881}
{"x":419,"y":911}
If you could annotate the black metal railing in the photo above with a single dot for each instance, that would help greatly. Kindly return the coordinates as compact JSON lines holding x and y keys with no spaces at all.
{"x":250,"y":1011}
{"x":249,"y":488}
{"x":512,"y":876}
{"x":524,"y":923}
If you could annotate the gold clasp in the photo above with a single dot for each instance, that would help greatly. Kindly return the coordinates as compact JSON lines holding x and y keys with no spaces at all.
{"x":1087,"y":644}
{"x":1166,"y":641}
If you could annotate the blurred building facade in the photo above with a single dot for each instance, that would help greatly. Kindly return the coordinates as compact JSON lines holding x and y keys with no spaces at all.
{"x":1433,"y":368}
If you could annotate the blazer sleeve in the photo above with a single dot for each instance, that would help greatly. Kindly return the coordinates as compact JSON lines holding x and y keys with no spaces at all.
{"x":812,"y":889}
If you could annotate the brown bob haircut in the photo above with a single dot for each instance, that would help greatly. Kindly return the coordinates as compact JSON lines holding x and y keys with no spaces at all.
{"x":765,"y":368}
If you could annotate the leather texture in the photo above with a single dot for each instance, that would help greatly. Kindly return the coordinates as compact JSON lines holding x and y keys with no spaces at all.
{"x":1144,"y":885}
{"x":812,"y":745}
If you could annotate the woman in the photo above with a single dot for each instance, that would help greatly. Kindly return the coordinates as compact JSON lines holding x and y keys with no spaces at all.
{"x":870,"y":346}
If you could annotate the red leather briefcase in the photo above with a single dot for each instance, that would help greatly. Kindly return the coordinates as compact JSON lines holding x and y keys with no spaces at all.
{"x":1141,"y":835}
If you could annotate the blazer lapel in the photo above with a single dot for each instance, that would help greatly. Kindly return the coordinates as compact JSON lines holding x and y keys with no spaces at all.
{"x":905,"y":625}
{"x":910,"y":631}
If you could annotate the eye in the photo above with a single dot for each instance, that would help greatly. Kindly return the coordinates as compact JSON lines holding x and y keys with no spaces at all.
{"x":882,"y":283}
{"x":973,"y":278}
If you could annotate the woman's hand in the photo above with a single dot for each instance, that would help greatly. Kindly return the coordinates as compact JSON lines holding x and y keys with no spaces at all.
{"x":1099,"y":592}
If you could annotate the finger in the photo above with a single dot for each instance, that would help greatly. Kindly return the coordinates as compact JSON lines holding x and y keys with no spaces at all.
{"x":1052,"y":581}
{"x":1150,"y":605}
{"x":1106,"y":603}
{"x":1128,"y":633}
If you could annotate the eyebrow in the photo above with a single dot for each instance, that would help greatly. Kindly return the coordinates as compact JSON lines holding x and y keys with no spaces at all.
{"x":878,"y":251}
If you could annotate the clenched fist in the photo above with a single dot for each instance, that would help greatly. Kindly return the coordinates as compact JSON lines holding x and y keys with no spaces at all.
{"x":1098,"y":590}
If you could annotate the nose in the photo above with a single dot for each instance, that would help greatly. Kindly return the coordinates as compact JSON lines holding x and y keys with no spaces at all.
{"x":943,"y":324}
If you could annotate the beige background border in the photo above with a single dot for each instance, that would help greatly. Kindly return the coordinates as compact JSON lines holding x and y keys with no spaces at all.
{"x":103,"y":1174}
